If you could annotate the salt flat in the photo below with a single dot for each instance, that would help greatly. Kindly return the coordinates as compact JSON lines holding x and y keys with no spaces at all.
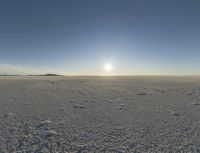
{"x":99,"y":114}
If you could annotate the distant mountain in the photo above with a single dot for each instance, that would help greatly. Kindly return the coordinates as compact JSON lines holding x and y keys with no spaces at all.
{"x":49,"y":74}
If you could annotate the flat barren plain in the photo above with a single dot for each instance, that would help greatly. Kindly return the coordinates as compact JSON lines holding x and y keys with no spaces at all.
{"x":136,"y":114}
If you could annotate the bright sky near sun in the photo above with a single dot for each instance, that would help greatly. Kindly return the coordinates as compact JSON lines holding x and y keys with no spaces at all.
{"x":108,"y":67}
{"x":100,"y":37}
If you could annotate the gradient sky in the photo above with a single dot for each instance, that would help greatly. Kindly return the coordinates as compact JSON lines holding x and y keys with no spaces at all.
{"x":80,"y":36}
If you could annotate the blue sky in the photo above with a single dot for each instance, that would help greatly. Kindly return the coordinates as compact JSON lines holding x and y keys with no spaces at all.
{"x":78,"y":37}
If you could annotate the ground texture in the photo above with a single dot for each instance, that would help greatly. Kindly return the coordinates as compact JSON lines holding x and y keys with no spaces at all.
{"x":99,"y":114}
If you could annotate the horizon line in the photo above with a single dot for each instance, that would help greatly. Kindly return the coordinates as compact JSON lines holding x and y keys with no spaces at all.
{"x":85,"y":75}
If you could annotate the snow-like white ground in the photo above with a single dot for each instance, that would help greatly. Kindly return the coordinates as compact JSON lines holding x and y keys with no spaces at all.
{"x":99,"y":114}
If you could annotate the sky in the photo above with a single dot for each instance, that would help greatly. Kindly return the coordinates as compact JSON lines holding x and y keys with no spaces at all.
{"x":78,"y":37}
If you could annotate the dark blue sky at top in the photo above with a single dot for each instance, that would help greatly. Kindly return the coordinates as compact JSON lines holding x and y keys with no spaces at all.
{"x":77,"y":35}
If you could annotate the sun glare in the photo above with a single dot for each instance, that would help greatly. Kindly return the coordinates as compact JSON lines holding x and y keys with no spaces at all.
{"x":108,"y":67}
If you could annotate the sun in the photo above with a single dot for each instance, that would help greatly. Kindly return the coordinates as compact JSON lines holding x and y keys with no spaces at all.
{"x":108,"y":67}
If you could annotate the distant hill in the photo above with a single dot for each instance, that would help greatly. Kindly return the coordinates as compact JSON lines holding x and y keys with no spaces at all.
{"x":49,"y":74}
